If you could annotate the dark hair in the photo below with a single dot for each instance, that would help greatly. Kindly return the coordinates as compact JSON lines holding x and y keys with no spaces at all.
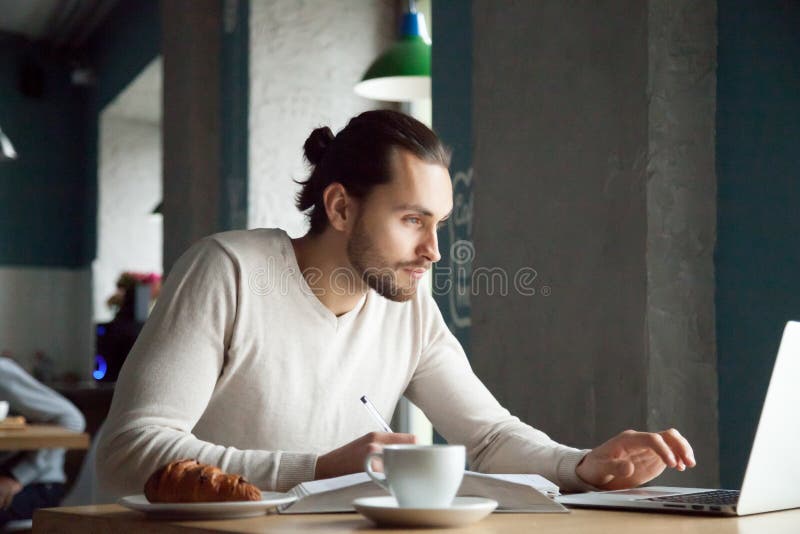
{"x":359,"y":157}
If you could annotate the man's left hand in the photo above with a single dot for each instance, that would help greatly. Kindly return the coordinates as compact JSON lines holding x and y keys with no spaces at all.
{"x":632,"y":458}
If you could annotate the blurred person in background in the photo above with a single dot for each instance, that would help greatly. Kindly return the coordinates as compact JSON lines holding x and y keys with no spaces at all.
{"x":32,"y":479}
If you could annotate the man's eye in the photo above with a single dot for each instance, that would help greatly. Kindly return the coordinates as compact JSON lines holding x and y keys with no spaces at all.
{"x":413,"y":220}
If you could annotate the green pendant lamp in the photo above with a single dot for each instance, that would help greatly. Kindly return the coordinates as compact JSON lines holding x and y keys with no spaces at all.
{"x":403,"y":72}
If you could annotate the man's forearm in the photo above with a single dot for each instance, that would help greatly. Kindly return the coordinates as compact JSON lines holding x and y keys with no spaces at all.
{"x":125,"y":460}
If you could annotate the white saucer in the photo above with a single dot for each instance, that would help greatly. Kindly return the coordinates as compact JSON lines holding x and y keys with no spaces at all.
{"x":385,"y":511}
{"x":207,"y":510}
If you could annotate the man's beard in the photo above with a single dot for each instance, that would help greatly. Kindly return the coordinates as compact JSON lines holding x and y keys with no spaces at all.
{"x":373,"y":268}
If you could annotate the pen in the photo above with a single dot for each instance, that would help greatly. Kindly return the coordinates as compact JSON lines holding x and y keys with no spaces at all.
{"x":375,"y":415}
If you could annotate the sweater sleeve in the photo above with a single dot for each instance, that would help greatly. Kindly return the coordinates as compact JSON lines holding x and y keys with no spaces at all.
{"x":169,"y":377}
{"x":463,"y":411}
{"x":39,"y":404}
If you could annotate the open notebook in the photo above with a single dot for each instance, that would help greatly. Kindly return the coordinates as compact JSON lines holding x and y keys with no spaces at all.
{"x":513,"y":492}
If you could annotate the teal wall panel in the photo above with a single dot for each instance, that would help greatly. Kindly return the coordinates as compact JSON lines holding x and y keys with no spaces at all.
{"x":451,"y":76}
{"x":451,"y":86}
{"x":43,"y":207}
{"x":758,"y":243}
{"x":235,"y":110}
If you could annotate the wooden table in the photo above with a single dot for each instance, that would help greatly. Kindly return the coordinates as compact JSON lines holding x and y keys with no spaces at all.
{"x":34,"y":437}
{"x":119,"y":520}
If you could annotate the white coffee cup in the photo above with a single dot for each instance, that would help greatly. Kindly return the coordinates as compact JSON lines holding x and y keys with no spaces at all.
{"x":420,"y":476}
{"x":3,"y":409}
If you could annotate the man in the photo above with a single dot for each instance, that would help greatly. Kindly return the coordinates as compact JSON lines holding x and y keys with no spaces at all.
{"x":32,"y":479}
{"x":256,"y":355}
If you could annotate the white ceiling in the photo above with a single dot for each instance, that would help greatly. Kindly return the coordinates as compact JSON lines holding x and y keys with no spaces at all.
{"x":29,"y":18}
{"x":62,"y":23}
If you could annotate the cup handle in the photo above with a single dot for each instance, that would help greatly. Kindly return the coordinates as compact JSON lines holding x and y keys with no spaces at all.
{"x":379,"y":480}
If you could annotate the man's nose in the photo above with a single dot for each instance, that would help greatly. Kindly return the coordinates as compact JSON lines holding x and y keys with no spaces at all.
{"x":430,"y":247}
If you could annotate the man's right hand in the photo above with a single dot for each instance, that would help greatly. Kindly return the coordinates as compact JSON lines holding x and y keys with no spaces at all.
{"x":350,"y":458}
{"x":8,"y":488}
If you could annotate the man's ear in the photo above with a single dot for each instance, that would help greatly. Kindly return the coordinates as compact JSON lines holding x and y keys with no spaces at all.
{"x":339,"y":206}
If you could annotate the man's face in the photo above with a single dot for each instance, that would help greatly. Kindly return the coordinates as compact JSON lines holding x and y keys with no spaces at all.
{"x":393,"y":241}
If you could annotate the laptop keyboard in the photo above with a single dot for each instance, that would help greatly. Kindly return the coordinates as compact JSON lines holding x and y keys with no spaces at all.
{"x":716,"y":497}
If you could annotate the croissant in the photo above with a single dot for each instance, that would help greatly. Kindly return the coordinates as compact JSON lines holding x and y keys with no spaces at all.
{"x":191,"y":481}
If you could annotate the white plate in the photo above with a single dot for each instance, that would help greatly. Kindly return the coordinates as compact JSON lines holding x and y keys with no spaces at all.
{"x":207,"y":510}
{"x":463,"y":511}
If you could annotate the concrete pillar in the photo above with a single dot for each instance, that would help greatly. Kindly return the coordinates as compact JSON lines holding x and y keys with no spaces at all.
{"x":594,"y":195}
{"x":681,"y":227}
{"x":205,"y":158}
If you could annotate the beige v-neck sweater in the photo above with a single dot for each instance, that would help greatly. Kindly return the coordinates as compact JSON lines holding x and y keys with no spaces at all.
{"x":241,"y":366}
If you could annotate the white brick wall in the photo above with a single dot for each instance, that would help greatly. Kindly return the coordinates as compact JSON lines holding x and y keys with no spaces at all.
{"x":129,"y":238}
{"x":305,"y":57}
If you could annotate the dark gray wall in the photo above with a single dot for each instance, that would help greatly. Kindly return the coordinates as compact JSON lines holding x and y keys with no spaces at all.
{"x":569,"y":173}
{"x":560,"y":121}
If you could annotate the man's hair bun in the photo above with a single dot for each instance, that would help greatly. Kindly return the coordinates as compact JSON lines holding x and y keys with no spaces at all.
{"x":360,"y":157}
{"x":317,"y":144}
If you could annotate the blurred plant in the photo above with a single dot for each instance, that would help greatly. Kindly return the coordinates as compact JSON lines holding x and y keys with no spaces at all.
{"x":126,"y":284}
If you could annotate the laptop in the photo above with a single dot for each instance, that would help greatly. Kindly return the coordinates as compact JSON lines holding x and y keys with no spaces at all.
{"x":772,"y":479}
